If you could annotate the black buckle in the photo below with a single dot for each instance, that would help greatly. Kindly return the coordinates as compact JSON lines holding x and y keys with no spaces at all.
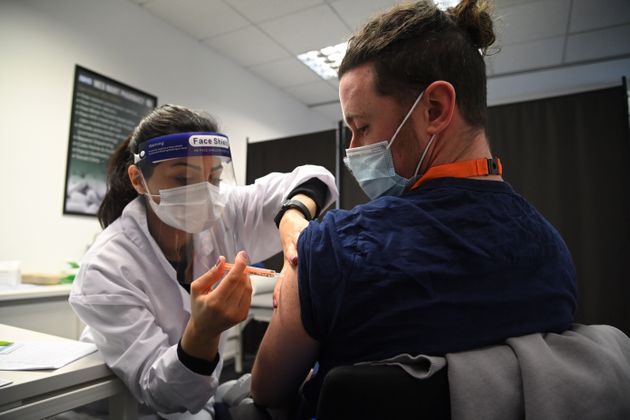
{"x":493,"y":167}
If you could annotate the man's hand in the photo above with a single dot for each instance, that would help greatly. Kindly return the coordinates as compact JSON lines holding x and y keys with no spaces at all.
{"x":278,"y":285}
{"x":214,"y":311}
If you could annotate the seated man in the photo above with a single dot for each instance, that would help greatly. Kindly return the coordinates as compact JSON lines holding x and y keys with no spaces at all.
{"x":446,"y":256}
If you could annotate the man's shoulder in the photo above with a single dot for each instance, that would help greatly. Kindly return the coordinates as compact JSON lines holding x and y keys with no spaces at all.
{"x":342,"y":221}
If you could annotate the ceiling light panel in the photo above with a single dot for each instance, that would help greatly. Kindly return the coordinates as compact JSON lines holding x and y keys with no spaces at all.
{"x":326,"y":61}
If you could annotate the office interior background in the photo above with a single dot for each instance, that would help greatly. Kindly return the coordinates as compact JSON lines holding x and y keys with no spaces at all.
{"x":237,"y":59}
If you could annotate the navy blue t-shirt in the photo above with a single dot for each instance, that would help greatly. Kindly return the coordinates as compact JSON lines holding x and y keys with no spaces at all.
{"x":453,"y":265}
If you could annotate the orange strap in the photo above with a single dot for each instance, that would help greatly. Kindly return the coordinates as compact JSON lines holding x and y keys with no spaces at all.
{"x":463,"y":169}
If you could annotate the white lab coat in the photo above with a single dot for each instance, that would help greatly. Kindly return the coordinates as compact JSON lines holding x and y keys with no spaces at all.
{"x":127,"y":293}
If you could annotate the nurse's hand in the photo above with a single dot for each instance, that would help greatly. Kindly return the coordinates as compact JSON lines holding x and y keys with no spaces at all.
{"x":291,"y":225}
{"x":214,"y":311}
{"x":278,"y":285}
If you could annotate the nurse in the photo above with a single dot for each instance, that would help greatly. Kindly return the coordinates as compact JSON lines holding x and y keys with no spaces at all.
{"x":148,"y":289}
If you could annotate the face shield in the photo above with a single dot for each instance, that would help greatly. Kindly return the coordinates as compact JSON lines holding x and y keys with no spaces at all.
{"x":187,"y":177}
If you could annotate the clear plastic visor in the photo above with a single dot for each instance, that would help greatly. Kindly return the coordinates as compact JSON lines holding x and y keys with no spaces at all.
{"x":189,"y":177}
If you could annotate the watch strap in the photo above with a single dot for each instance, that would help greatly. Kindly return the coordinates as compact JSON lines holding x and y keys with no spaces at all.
{"x":292,"y":204}
{"x":316,"y":190}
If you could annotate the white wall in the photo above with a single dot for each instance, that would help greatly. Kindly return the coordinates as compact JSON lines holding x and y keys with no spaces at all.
{"x":40,"y":43}
{"x":555,"y":82}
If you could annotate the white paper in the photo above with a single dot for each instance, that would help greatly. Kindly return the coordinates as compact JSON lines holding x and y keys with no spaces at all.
{"x":36,"y":355}
{"x":4,"y":382}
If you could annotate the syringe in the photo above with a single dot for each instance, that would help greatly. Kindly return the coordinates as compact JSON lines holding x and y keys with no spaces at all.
{"x":254,"y":270}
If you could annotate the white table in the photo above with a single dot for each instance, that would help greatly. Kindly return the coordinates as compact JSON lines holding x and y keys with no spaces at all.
{"x":262,"y":307}
{"x":41,"y":393}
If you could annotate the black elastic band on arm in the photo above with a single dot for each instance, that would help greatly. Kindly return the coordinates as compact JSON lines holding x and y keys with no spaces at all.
{"x":315,"y":189}
{"x":197,"y":365}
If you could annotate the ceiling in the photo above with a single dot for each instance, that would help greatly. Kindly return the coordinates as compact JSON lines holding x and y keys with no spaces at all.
{"x":265,"y":36}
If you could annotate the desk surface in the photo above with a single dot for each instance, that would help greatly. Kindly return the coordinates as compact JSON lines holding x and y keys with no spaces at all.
{"x":27,"y":384}
{"x":262,"y":307}
{"x":31,"y":291}
{"x":46,"y":390}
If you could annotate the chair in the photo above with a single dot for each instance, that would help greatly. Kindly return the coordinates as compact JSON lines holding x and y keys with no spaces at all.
{"x":382,"y":392}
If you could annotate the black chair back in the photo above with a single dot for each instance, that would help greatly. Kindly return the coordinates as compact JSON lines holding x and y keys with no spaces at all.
{"x":382,"y":392}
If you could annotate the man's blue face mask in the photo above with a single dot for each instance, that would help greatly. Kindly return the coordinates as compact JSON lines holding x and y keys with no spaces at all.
{"x":373,"y":166}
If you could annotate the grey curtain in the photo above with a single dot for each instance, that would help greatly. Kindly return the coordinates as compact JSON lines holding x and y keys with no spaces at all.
{"x":569,"y":156}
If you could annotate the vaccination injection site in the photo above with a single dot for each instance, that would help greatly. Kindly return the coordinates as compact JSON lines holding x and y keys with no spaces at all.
{"x":315,"y":210}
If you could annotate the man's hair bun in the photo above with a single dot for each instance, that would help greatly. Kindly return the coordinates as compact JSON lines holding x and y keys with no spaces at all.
{"x":474,"y":18}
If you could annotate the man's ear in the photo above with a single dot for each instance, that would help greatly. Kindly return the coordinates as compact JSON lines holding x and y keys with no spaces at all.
{"x":136,"y":179}
{"x":441,"y":98}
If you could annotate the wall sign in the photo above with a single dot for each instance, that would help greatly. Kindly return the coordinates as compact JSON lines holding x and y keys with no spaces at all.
{"x":104,"y":112}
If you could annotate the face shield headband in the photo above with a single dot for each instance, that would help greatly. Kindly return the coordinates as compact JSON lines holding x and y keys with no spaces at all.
{"x":182,"y":145}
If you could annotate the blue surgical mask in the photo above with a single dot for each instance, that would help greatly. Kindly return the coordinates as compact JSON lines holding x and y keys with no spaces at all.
{"x":373,"y":166}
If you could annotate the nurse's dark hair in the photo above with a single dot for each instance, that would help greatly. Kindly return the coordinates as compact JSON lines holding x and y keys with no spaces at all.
{"x":167,"y":119}
{"x":414,"y":45}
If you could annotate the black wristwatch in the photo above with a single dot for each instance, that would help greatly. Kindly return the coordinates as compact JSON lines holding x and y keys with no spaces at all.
{"x":292,"y":204}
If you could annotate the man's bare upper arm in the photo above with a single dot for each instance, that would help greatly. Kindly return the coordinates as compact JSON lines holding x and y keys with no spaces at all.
{"x":287,"y":352}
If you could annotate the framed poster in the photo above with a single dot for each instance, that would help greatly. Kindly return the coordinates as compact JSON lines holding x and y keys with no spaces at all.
{"x":104,"y":112}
